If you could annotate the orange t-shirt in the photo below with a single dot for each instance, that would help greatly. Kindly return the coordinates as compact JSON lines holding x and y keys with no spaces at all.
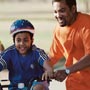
{"x":73,"y":42}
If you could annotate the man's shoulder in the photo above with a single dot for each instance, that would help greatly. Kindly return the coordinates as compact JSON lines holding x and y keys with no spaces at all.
{"x":84,"y":15}
{"x":83,"y":19}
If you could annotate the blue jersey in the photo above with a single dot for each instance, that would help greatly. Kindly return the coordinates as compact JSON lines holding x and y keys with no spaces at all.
{"x":23,"y":68}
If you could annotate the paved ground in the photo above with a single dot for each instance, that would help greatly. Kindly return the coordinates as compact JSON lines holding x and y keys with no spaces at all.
{"x":55,"y":85}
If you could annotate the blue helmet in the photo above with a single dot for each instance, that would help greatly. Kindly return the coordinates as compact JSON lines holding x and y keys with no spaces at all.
{"x":21,"y":26}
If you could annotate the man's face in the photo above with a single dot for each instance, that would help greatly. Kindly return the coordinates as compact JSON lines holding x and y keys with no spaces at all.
{"x":63,"y":13}
{"x":23,"y":42}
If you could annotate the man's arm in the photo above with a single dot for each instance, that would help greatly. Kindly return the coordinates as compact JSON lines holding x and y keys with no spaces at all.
{"x":84,"y":62}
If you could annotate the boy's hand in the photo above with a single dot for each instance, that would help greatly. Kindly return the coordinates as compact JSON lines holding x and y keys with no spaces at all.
{"x":48,"y":74}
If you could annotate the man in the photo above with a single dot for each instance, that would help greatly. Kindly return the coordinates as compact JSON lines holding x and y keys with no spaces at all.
{"x":72,"y":41}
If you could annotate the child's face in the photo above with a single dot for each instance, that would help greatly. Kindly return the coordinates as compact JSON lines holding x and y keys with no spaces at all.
{"x":23,"y":42}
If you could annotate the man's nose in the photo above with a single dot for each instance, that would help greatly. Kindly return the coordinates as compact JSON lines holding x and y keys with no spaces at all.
{"x":59,"y":15}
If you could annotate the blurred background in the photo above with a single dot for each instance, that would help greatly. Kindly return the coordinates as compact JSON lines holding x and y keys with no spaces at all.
{"x":40,"y":14}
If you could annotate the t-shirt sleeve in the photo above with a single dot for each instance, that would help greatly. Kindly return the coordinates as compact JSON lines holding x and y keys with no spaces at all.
{"x":86,"y":40}
{"x":55,"y":53}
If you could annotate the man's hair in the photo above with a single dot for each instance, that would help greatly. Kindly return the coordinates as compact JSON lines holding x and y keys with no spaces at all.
{"x":70,"y":3}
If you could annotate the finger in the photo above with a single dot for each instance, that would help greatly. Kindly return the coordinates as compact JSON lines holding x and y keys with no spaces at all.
{"x":46,"y":76}
{"x":43,"y":76}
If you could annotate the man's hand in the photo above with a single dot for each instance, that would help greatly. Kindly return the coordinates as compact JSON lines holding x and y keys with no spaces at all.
{"x":60,"y":75}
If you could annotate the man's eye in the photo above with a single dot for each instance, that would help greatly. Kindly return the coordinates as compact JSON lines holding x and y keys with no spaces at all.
{"x":62,"y":10}
{"x":55,"y":11}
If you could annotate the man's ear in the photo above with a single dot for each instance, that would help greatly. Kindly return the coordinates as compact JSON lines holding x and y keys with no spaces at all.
{"x":74,"y":8}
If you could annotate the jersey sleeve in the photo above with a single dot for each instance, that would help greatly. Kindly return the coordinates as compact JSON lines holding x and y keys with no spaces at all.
{"x":4,"y":60}
{"x":3,"y":64}
{"x":42,"y":57}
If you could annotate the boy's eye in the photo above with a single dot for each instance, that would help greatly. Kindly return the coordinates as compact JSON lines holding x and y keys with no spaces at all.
{"x":26,"y":40}
{"x":22,"y":40}
{"x":18,"y":40}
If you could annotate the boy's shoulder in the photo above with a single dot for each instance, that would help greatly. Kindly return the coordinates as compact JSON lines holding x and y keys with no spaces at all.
{"x":38,"y":50}
{"x":35,"y":48}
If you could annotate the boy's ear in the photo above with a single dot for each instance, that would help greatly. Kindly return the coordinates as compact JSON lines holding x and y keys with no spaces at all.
{"x":32,"y":40}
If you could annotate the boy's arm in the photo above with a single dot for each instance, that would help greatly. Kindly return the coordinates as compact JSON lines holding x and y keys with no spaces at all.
{"x":48,"y":74}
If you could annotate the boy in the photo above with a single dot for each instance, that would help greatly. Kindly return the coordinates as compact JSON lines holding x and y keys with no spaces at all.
{"x":24,"y":60}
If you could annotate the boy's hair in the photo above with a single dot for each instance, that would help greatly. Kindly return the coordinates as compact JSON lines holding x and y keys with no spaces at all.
{"x":31,"y":35}
{"x":70,"y":3}
{"x":20,"y":26}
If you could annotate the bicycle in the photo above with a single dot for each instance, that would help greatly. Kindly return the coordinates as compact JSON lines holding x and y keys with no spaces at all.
{"x":29,"y":85}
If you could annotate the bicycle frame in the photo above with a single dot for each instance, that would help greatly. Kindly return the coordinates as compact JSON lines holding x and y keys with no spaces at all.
{"x":3,"y":86}
{"x":8,"y":85}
